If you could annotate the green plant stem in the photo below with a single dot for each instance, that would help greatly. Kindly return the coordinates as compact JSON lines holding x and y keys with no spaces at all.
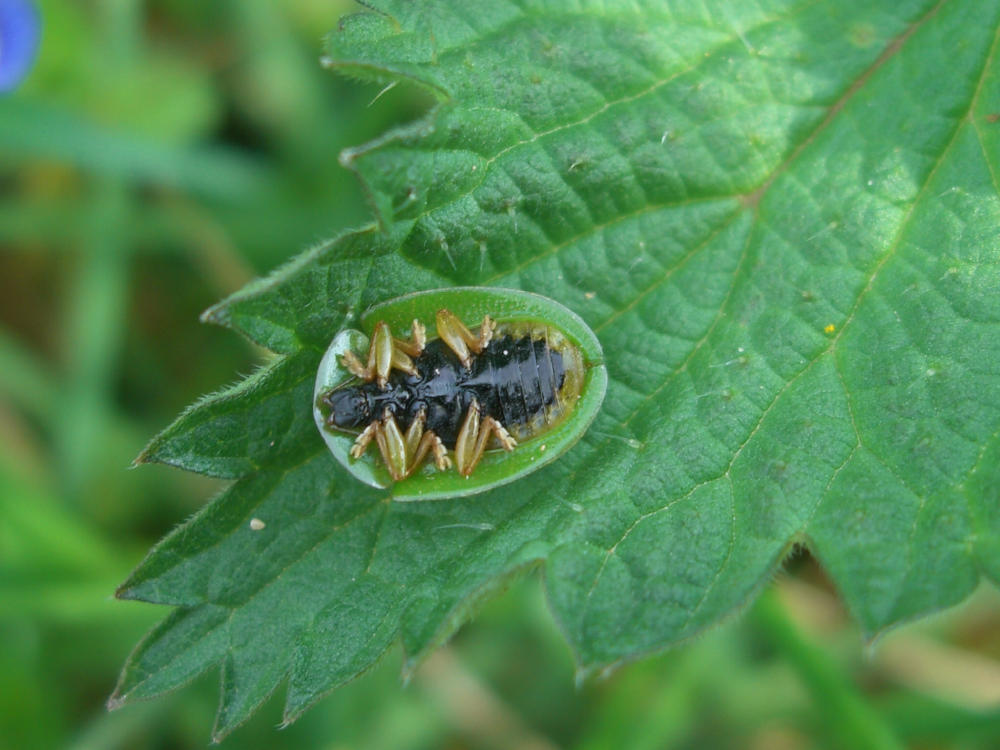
{"x":25,"y":380}
{"x":94,"y":324}
{"x":96,"y":312}
{"x":851,"y":721}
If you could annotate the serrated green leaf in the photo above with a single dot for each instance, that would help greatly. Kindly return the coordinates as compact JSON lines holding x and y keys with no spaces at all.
{"x":783,"y":222}
{"x":254,"y":424}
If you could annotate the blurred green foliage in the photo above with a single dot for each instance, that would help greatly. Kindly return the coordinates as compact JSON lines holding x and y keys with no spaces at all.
{"x":159,"y":156}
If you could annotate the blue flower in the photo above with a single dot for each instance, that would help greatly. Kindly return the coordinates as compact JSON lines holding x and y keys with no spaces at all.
{"x":19,"y":32}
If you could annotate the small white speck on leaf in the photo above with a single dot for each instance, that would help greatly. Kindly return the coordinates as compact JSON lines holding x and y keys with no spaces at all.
{"x":256,"y":524}
{"x":473,"y":526}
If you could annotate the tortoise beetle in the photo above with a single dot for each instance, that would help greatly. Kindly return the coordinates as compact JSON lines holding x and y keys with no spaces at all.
{"x":463,"y":411}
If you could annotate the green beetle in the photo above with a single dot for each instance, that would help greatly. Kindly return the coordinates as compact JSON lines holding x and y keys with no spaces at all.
{"x":527,"y":380}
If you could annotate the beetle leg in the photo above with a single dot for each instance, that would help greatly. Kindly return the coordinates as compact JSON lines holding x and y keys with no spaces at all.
{"x":386,"y":353}
{"x":402,"y":351}
{"x":379,"y":357}
{"x":401,"y":361}
{"x":419,"y":442}
{"x":486,"y":332}
{"x":415,"y":433}
{"x":391,"y":445}
{"x":350,"y":360}
{"x":473,"y":437}
{"x":404,"y":454}
{"x":460,"y":339}
{"x":441,"y":459}
{"x":418,"y":339}
{"x":465,"y":443}
{"x":429,"y":443}
{"x":382,"y":349}
{"x":362,"y":441}
{"x":507,"y":441}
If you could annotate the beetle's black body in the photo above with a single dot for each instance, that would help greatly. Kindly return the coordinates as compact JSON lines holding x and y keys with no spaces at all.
{"x":517,"y":380}
{"x":508,"y":382}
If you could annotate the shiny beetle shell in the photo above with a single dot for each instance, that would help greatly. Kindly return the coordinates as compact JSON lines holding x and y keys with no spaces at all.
{"x":541,"y":427}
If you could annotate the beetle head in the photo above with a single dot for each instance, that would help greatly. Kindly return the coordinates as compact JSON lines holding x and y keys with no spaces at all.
{"x":349,"y":408}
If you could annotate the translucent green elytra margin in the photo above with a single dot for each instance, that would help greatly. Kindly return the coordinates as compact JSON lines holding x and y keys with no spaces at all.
{"x":497,"y":467}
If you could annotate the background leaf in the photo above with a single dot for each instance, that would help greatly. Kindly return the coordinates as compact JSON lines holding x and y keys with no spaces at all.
{"x":782,"y":222}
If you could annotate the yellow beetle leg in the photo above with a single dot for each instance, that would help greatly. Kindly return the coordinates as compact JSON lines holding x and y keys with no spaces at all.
{"x":460,"y":339}
{"x":429,"y":443}
{"x":473,"y":437}
{"x":402,"y":362}
{"x":386,"y":353}
{"x":419,"y":443}
{"x":350,"y":360}
{"x":362,"y":440}
{"x":415,"y":433}
{"x":507,"y":441}
{"x":441,"y":459}
{"x":392,"y":446}
{"x":418,"y":339}
{"x":465,"y":444}
{"x":381,"y":351}
{"x":404,"y":454}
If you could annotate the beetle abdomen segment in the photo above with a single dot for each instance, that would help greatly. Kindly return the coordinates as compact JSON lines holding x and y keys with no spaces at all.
{"x":524,"y":378}
{"x":551,"y":373}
